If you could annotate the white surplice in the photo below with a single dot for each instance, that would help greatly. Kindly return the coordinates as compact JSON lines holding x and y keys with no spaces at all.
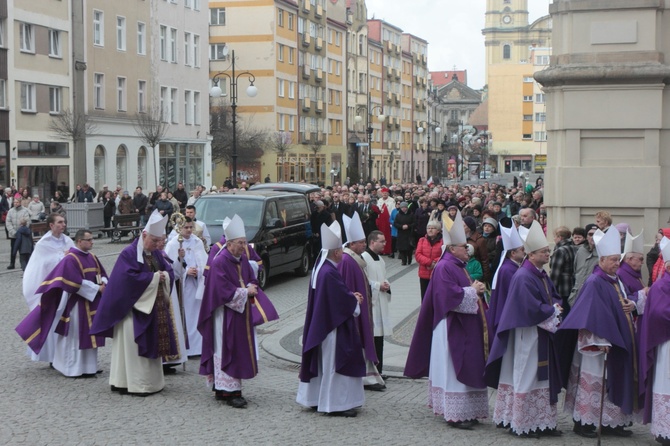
{"x":48,"y":252}
{"x":522,"y":401}
{"x":447,"y":396}
{"x":68,"y":358}
{"x":193,"y":287}
{"x":330,"y":391}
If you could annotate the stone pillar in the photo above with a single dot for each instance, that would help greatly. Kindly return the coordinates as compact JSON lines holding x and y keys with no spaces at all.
{"x":607,"y":98}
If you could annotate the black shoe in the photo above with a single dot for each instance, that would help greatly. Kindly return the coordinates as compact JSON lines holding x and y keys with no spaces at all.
{"x":121,"y":390}
{"x":375,"y":387}
{"x":86,"y":375}
{"x":531,"y":434}
{"x":237,"y":402}
{"x":550,"y":432}
{"x":465,"y":425}
{"x":169,"y":369}
{"x":404,"y":263}
{"x":11,"y":267}
{"x":586,"y":431}
{"x":384,"y":377}
{"x":219,"y":395}
{"x":502,"y":425}
{"x":351,"y":413}
{"x":618,"y":431}
{"x":663,"y":440}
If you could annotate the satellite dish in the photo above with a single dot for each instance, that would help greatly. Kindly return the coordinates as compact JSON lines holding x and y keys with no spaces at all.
{"x":225,"y":50}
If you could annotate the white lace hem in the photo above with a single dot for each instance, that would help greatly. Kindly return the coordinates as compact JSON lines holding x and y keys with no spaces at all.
{"x":660,"y":415}
{"x":458,"y":406}
{"x":221,"y":380}
{"x":582,"y":399}
{"x":524,"y":412}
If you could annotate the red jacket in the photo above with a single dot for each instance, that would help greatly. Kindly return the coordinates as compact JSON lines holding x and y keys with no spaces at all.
{"x":426,"y":253}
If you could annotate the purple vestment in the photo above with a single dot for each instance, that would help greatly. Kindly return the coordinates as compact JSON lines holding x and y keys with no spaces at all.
{"x":499,"y":295}
{"x":238,"y":350}
{"x":67,"y":277}
{"x":262,"y":309}
{"x":598,"y":309}
{"x":530,"y":301}
{"x":129,"y":280}
{"x":356,"y":280}
{"x":467,"y":333}
{"x":631,"y":278}
{"x":331,"y":306}
{"x":654,"y":331}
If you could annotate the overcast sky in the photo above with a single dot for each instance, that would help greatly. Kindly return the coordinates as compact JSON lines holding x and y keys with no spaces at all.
{"x":453,"y":29}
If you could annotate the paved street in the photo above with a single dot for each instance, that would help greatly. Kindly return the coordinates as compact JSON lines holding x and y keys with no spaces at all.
{"x":39,"y":406}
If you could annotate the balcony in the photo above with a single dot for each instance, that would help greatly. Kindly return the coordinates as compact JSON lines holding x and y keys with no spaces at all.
{"x":389,"y":71}
{"x":396,"y":98}
{"x":319,"y":106}
{"x":306,"y":39}
{"x":305,"y":138}
{"x":417,"y":80}
{"x":320,"y":137}
{"x":318,"y":74}
{"x":318,"y":12}
{"x":396,"y":73}
{"x":306,"y":104}
{"x":389,"y":46}
{"x":306,"y":7}
{"x":389,"y":97}
{"x":318,"y":43}
{"x":306,"y":72}
{"x":397,"y":49}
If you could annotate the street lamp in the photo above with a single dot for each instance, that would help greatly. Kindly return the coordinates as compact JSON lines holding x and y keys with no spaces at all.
{"x":436,"y":127}
{"x":358,"y":118}
{"x":216,"y":92}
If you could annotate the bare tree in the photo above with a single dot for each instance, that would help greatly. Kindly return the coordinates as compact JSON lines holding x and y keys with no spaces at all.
{"x":250,"y":141}
{"x":71,"y":126}
{"x":150,"y":126}
{"x":281,"y":143}
{"x":315,"y":146}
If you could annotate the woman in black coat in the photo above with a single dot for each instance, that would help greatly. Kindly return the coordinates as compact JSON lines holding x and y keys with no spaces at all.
{"x":404,"y":223}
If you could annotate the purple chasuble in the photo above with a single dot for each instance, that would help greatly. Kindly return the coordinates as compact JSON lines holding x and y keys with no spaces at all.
{"x":598,"y":309}
{"x":631,"y":278}
{"x":262,"y":309}
{"x":331,"y":306}
{"x":654,"y":331}
{"x":66,"y":277}
{"x":499,"y":295}
{"x":530,"y":301}
{"x":238,"y":350}
{"x":128,"y":281}
{"x":356,"y":280}
{"x":467,"y":334}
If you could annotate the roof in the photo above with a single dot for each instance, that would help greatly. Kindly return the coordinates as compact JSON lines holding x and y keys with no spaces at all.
{"x":440,"y":78}
{"x":480,"y":117}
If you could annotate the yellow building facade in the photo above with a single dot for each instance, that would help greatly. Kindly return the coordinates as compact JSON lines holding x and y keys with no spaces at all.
{"x":515,"y":50}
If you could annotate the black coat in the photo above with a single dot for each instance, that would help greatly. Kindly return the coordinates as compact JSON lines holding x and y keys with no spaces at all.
{"x":404,"y":242}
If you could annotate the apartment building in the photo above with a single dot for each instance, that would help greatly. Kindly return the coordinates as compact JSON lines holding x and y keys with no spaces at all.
{"x":147,"y":60}
{"x":298,"y":63}
{"x":103,"y":66}
{"x":515,"y":50}
{"x":416,"y":150}
{"x":35,"y":85}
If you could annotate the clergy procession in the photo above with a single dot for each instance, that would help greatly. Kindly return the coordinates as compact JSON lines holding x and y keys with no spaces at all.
{"x":512,"y":349}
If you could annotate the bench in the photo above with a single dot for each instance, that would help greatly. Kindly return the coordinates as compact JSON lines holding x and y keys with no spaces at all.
{"x":38,"y":229}
{"x":126,"y":224}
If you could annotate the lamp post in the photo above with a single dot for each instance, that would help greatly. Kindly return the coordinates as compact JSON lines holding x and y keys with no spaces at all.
{"x":369,"y":130}
{"x":436,"y":127}
{"x":216,"y":92}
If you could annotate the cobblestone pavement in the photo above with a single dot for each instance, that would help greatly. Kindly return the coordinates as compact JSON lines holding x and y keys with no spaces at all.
{"x":38,"y":406}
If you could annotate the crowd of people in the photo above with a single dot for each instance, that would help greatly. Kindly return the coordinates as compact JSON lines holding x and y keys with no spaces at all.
{"x":490,"y":316}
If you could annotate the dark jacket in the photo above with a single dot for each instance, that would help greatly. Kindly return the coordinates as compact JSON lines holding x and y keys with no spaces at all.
{"x":24,"y":240}
{"x":181,"y":196}
{"x":140,"y":202}
{"x":404,"y":242}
